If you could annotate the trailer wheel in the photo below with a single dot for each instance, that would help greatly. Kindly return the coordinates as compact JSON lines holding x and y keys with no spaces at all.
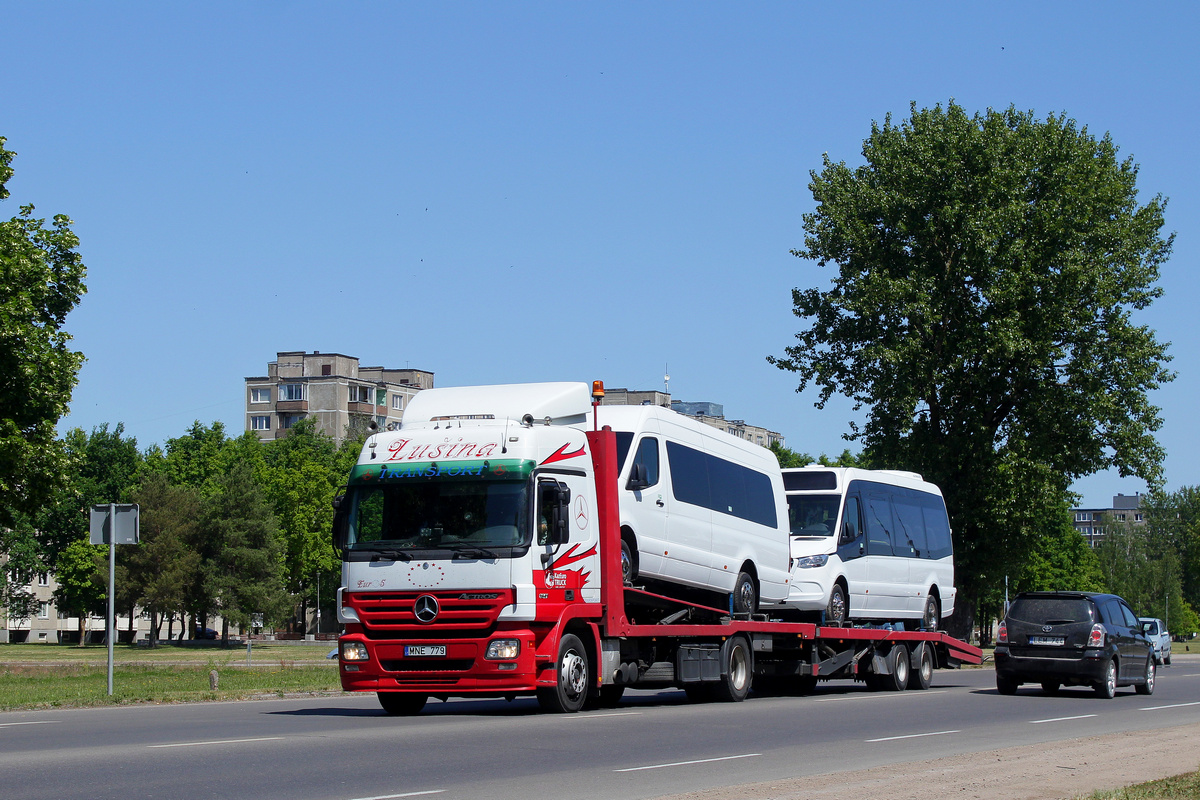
{"x":745,"y":594}
{"x":402,"y":704}
{"x":574,"y":679}
{"x":736,"y":673}
{"x":924,"y":673}
{"x":898,"y":680}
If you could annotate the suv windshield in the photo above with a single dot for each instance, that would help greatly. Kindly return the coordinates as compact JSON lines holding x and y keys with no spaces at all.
{"x":1052,"y":610}
{"x":813,"y":514}
{"x":440,"y":515}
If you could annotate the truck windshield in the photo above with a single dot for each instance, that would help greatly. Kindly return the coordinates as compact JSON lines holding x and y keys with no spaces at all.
{"x":440,"y":515}
{"x":813,"y":514}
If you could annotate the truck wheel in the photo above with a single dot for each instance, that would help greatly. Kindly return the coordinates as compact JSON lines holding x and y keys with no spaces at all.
{"x":924,"y":671}
{"x":745,"y":594}
{"x":933,"y":613}
{"x":1006,"y":685}
{"x":898,"y":680}
{"x":736,"y":675}
{"x":838,"y":609}
{"x":1147,"y":685}
{"x":574,"y":679}
{"x":1107,"y":688}
{"x":402,"y":704}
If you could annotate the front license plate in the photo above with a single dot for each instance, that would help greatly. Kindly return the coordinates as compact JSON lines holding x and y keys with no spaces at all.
{"x":425,"y":650}
{"x":1051,"y":640}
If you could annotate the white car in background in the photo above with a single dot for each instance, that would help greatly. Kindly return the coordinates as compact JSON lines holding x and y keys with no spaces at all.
{"x":1156,"y":632}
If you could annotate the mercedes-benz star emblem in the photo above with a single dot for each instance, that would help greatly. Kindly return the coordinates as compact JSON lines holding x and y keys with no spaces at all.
{"x":426,"y":608}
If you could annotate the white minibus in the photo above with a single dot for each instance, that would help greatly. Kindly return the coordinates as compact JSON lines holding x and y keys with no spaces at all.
{"x":869,"y":545}
{"x":699,"y":507}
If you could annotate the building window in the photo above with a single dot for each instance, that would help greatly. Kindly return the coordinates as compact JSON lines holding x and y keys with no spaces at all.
{"x":398,"y":402}
{"x":361,"y":394}
{"x":1081,"y":516}
{"x":260,"y":423}
{"x":44,"y":611}
{"x":260,"y":395}
{"x":381,"y":422}
{"x":291,"y":391}
{"x":288,"y":420}
{"x":43,"y":579}
{"x":1137,"y":517}
{"x":326,"y":370}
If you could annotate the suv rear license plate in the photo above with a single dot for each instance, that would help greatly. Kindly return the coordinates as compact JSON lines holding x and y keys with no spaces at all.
{"x":1051,"y":640}
{"x":425,"y":650}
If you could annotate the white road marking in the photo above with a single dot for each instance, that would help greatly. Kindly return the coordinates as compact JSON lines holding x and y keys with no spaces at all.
{"x":1059,"y":719}
{"x":688,"y":763}
{"x":219,"y":741}
{"x":1175,"y":705}
{"x":912,"y":736}
{"x":39,"y":722}
{"x":876,"y":694}
{"x":406,"y":794}
{"x":613,"y":714}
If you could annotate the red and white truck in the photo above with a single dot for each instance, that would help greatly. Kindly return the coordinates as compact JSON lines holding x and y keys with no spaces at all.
{"x":482,"y":557}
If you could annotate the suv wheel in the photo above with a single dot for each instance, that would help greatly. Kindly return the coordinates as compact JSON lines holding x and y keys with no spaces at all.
{"x":1147,"y":684}
{"x":1006,"y":685}
{"x":1107,"y":688}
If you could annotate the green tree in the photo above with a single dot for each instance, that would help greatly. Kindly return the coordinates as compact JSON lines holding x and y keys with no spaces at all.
{"x":988,"y":267}
{"x":301,"y":478}
{"x":1060,"y":559}
{"x":162,"y":568}
{"x":82,"y":575}
{"x":1142,"y":566}
{"x":41,"y":280}
{"x":197,"y":458}
{"x":244,"y":573}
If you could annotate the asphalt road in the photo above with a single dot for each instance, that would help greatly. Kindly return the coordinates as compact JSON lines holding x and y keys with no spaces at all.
{"x":344,"y":748}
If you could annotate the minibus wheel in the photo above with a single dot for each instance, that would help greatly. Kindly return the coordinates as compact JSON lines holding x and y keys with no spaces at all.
{"x":838,"y":610}
{"x":745,"y":594}
{"x":932,"y":617}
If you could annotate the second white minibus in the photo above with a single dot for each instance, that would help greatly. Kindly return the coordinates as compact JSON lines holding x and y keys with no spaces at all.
{"x":870,"y":545}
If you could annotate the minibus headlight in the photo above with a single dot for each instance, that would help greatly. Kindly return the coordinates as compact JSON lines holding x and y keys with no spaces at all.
{"x":503,"y":649}
{"x":809,"y":562}
{"x":354,"y":651}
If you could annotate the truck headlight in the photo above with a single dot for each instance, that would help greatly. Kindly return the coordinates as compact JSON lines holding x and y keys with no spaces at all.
{"x":354,"y":651}
{"x":503,"y":649}
{"x":808,"y":562}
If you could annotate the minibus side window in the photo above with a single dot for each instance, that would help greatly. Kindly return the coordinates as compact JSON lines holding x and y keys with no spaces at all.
{"x":879,"y":525}
{"x":910,"y":526}
{"x":850,"y":540}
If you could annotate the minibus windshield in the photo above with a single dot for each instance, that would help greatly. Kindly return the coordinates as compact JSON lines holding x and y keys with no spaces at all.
{"x":813,"y":514}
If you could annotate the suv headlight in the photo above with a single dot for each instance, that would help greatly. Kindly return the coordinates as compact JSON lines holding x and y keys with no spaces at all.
{"x":503,"y":649}
{"x":808,"y":562}
{"x":354,"y":651}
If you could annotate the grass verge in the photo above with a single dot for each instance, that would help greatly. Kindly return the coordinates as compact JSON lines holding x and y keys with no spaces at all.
{"x":52,"y":676}
{"x":1179,"y":787}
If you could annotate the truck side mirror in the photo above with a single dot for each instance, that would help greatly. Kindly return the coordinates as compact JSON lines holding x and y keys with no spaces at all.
{"x":341,"y":522}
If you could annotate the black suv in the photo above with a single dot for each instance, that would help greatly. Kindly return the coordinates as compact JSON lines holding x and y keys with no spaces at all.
{"x":1073,"y":638}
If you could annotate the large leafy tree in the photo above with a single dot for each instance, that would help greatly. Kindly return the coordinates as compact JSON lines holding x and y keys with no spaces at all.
{"x":164,"y":565}
{"x":988,"y":267}
{"x":41,"y":280}
{"x":243,"y":574}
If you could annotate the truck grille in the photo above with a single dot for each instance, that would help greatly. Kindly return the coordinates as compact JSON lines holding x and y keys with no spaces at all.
{"x":461,"y":614}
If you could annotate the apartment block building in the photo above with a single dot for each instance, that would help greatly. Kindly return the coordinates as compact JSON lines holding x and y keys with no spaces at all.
{"x":333,"y":389}
{"x":712,"y":414}
{"x":1093,"y":522}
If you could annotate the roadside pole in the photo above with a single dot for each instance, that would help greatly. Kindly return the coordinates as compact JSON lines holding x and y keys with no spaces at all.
{"x":113,"y":524}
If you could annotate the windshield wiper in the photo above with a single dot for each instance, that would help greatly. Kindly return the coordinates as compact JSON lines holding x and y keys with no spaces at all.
{"x":394,"y":555}
{"x":464,"y":550}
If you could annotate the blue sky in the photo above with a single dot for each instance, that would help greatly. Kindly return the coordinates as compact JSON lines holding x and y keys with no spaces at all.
{"x":508,"y":192}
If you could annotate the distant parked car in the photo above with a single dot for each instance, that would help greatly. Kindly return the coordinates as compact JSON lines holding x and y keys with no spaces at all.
{"x":1157,"y":633}
{"x":1076,"y":639}
{"x":206,"y":633}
